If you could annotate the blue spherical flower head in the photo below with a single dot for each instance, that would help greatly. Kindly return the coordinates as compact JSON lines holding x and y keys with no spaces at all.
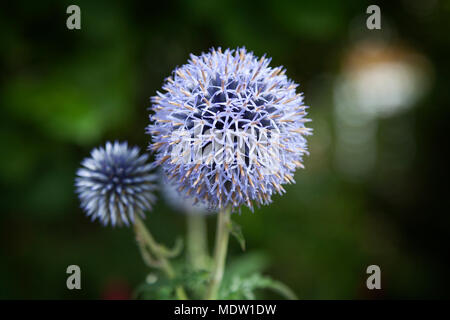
{"x":229,"y":129}
{"x":115,"y":185}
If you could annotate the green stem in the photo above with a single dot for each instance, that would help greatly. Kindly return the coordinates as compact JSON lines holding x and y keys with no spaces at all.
{"x":161,"y":261}
{"x":220,"y":253}
{"x":197,"y":250}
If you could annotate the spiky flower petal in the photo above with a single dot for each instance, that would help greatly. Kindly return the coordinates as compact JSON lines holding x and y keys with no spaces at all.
{"x":114,"y":184}
{"x":229,"y":128}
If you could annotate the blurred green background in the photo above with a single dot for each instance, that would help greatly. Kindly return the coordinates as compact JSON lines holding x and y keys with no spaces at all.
{"x":374,"y":186}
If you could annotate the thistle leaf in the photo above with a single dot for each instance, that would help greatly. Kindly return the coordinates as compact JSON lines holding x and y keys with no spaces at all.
{"x":244,"y":288}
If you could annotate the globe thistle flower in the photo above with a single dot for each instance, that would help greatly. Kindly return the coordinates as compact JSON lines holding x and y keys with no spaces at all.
{"x":114,"y":185}
{"x":229,"y":129}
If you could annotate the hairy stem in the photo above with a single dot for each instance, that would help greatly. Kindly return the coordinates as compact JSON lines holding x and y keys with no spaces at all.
{"x":197,"y":249}
{"x":220,"y":253}
{"x":145,"y":237}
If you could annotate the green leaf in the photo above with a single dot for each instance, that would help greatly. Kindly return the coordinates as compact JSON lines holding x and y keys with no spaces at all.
{"x":246,"y":264}
{"x":236,"y":231}
{"x":157,"y":286}
{"x":156,"y":289}
{"x":244,"y":288}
